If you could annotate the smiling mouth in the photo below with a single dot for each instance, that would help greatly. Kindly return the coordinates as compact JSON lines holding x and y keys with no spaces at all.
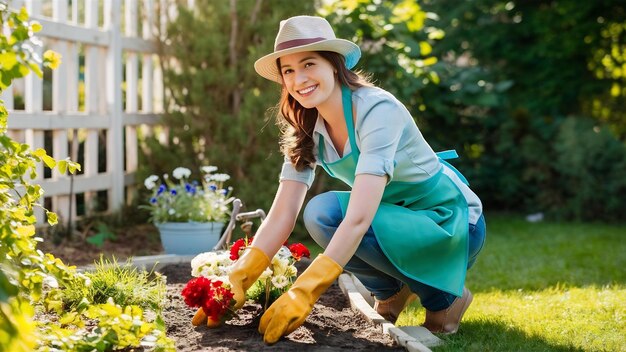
{"x":308,"y":90}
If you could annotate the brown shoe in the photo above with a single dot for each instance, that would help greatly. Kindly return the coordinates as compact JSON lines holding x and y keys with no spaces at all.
{"x":447,"y":320}
{"x":391,"y":307}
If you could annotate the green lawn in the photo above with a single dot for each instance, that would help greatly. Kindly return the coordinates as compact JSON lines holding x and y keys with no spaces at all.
{"x":543,"y":287}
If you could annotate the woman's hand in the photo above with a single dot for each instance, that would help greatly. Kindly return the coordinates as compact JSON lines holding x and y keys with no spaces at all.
{"x":291,"y":309}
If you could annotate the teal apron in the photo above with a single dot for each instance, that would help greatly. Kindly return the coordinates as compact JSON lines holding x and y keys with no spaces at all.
{"x":422,"y":227}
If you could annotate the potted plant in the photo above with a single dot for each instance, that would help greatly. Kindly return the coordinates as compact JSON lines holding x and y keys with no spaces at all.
{"x":190,"y":215}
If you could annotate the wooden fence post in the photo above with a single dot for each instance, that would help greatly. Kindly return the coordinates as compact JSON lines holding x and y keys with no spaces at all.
{"x":61,"y":203}
{"x":115,"y":147}
{"x":132,"y":73}
{"x":93,"y":85}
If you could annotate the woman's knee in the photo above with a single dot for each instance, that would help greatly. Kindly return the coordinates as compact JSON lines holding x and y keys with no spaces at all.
{"x":322,"y":215}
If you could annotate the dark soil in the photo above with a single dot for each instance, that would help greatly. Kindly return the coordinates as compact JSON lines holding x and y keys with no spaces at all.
{"x":133,"y":241}
{"x":331,"y":326}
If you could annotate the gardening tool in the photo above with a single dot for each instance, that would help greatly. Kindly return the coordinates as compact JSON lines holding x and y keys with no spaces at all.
{"x":237,"y":216}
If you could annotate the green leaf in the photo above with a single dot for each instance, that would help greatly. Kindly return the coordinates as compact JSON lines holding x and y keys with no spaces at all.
{"x":97,"y":240}
{"x":73,"y":166}
{"x":52,"y":218}
{"x":62,"y":165}
{"x":68,"y":318}
{"x":35,"y":26}
{"x":103,"y":234}
{"x":35,"y":68}
{"x":7,"y":289}
{"x":49,"y":161}
{"x":8,"y":60}
{"x":23,"y":15}
{"x":40,"y":152}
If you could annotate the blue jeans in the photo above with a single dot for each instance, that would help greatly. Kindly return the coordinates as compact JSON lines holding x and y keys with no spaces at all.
{"x":369,"y":264}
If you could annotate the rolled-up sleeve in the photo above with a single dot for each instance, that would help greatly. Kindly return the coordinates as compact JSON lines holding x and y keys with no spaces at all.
{"x":289,"y":172}
{"x":379,"y":133}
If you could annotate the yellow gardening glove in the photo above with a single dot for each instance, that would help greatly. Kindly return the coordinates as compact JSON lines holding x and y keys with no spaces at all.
{"x":291,"y":309}
{"x":244,"y":273}
{"x":200,"y":318}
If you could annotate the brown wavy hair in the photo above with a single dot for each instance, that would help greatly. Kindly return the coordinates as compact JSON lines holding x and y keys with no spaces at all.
{"x":297,"y":122}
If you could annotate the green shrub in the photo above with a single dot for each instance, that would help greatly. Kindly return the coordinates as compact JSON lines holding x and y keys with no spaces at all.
{"x":112,"y":328}
{"x":24,"y":270}
{"x":29,"y":279}
{"x":592,"y":165}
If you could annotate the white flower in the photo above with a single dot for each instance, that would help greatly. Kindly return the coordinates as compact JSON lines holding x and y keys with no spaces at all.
{"x":220,"y":177}
{"x":172,"y":211}
{"x":280,"y":281}
{"x":181,"y":172}
{"x":208,"y":169}
{"x":279,"y":265}
{"x":265,"y":274}
{"x":199,"y":261}
{"x":291,"y":271}
{"x":211,"y":264}
{"x":150,"y":181}
{"x":284,"y":252}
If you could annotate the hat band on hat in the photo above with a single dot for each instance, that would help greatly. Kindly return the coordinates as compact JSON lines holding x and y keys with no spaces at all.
{"x":297,"y":42}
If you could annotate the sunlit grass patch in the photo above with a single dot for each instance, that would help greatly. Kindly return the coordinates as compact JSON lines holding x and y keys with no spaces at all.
{"x":543,"y":287}
{"x":558,"y":318}
{"x":124,"y":283}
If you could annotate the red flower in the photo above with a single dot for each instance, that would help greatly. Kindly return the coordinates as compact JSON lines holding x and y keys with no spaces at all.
{"x":298,"y":250}
{"x":196,"y":291}
{"x":238,"y":246}
{"x":212,"y":296}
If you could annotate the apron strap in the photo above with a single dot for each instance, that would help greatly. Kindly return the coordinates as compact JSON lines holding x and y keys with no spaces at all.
{"x":447,"y":155}
{"x":320,"y":155}
{"x":346,"y":99}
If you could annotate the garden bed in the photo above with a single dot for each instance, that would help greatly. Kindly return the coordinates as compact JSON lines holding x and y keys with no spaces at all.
{"x":331,"y":326}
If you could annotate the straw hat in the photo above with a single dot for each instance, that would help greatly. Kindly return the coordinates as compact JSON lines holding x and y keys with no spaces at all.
{"x":305,"y":33}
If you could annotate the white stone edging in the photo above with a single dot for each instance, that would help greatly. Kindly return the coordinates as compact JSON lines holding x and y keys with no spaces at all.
{"x":358,"y":302}
{"x":151,"y":262}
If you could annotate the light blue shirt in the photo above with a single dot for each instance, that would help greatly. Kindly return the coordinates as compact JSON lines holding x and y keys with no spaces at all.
{"x":390,"y":144}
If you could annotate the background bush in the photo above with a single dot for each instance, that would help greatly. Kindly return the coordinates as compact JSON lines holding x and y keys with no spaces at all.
{"x":514,"y":87}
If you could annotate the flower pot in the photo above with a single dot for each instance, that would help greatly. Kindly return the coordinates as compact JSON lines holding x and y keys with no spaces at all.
{"x":189,"y":238}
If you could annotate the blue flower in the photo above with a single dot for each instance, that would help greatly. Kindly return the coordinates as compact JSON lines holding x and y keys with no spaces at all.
{"x":153,"y":200}
{"x":162,"y":189}
{"x":213,"y":188}
{"x":190,"y":189}
{"x":224,"y":191}
{"x":173,"y":192}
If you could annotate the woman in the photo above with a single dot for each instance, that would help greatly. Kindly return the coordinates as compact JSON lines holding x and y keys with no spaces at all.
{"x":410,"y":225}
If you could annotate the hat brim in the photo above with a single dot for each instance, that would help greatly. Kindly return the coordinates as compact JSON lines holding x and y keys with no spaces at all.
{"x":266,"y":66}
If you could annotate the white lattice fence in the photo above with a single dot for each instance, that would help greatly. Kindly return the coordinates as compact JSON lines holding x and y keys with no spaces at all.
{"x":104,"y":96}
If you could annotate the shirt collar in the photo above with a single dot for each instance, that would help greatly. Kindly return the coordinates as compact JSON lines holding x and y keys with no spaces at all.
{"x":320,"y":129}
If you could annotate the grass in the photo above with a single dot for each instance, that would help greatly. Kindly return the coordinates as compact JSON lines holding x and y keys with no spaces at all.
{"x":124,"y":283}
{"x":546,"y":286}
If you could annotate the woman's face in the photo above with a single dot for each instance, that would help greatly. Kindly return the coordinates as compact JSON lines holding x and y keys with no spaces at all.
{"x":308,"y":77}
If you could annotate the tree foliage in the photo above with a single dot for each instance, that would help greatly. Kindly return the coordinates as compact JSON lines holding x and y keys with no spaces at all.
{"x":217,"y":113}
{"x":561,"y":61}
